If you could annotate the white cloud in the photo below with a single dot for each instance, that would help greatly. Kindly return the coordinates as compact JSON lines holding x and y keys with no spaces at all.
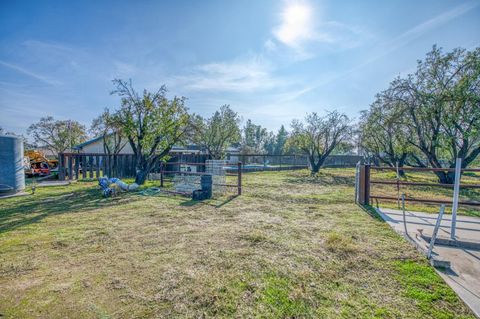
{"x":247,"y":75}
{"x":123,"y":69}
{"x":388,"y":47}
{"x":270,"y":45}
{"x":29,"y":73}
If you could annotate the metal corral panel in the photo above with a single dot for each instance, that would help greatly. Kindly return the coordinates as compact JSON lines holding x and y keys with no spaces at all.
{"x":11,"y":164}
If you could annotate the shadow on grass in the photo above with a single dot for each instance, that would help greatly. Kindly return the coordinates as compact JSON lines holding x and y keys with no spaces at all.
{"x":370,"y":210}
{"x":191,"y":202}
{"x":36,"y":208}
{"x":323,"y":178}
{"x":228,"y":200}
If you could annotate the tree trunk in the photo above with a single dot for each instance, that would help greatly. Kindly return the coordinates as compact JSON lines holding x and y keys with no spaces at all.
{"x":401,"y":163}
{"x":315,"y":167}
{"x":446,"y":177}
{"x":141,"y":177}
{"x":143,"y":168}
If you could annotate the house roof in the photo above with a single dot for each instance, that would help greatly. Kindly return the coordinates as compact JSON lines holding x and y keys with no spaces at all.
{"x":93,"y":140}
{"x":190,"y":148}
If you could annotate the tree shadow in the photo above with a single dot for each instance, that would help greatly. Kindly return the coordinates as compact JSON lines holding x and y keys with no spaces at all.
{"x":370,"y":210}
{"x":323,"y":178}
{"x":36,"y":208}
{"x":191,"y":202}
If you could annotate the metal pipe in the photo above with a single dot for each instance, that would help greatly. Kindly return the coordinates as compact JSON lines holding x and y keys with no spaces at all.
{"x":435,"y":231}
{"x":456,"y":191}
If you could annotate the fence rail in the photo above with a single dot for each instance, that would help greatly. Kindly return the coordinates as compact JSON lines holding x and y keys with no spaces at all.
{"x":93,"y":166}
{"x":272,"y":162}
{"x":80,"y":166}
{"x":364,"y":182}
{"x":420,"y":169}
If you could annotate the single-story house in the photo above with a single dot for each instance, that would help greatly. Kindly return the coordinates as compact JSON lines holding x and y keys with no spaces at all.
{"x":95,"y":146}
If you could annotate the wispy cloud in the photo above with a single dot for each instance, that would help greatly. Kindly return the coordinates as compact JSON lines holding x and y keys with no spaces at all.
{"x":246,"y":75}
{"x":424,"y":27}
{"x":29,"y":73}
{"x":48,"y":46}
{"x":385,"y":48}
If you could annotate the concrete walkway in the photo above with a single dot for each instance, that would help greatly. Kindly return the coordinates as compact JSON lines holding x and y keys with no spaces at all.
{"x":464,"y":273}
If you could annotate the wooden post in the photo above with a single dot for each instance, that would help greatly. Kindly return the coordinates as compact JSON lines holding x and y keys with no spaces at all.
{"x":131,"y":165}
{"x":361,"y":185}
{"x":357,"y":178}
{"x":364,"y":185}
{"x":90,"y":164}
{"x":161,"y":174}
{"x":404,"y":217}
{"x":456,"y":191}
{"x":107,"y":166}
{"x":398,"y":185}
{"x":367,"y":184}
{"x":104,"y":166}
{"x":239,"y":178}
{"x":84,"y":166}
{"x":76,"y":169}
{"x":120,"y":165}
{"x":97,"y":166}
{"x":61,"y":166}
{"x":70,"y":167}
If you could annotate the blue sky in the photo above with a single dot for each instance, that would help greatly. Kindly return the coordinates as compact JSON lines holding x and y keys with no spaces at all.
{"x":272,"y":61}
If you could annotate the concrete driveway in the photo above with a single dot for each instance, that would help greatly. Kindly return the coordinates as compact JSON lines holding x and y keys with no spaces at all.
{"x":463,"y":253}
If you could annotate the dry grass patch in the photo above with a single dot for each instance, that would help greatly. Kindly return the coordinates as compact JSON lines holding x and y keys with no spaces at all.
{"x":290,"y":247}
{"x":340,"y":244}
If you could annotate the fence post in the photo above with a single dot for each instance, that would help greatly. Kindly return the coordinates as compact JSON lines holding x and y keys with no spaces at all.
{"x":90,"y":166}
{"x":435,"y":231}
{"x":456,"y":191}
{"x":361,"y":185}
{"x":398,"y":185}
{"x":84,"y":166}
{"x":239,"y":178}
{"x":70,"y":167}
{"x":404,"y":217}
{"x":364,"y":185}
{"x":97,"y":166}
{"x":367,"y":184}
{"x":61,"y":167}
{"x":76,"y":167}
{"x":161,"y":174}
{"x":357,"y":173}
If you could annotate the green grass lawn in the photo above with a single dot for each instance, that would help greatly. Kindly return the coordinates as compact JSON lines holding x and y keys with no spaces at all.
{"x":291,"y":246}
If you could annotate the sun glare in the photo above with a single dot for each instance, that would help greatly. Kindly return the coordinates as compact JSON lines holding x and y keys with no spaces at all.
{"x":296,"y":23}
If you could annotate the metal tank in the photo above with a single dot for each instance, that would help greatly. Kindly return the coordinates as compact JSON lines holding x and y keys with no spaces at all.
{"x":12,"y":176}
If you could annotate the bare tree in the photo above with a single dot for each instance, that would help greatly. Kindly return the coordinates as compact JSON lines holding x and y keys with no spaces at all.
{"x":319,"y":136}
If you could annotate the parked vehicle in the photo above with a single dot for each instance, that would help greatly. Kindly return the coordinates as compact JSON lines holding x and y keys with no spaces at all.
{"x":36,"y":164}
